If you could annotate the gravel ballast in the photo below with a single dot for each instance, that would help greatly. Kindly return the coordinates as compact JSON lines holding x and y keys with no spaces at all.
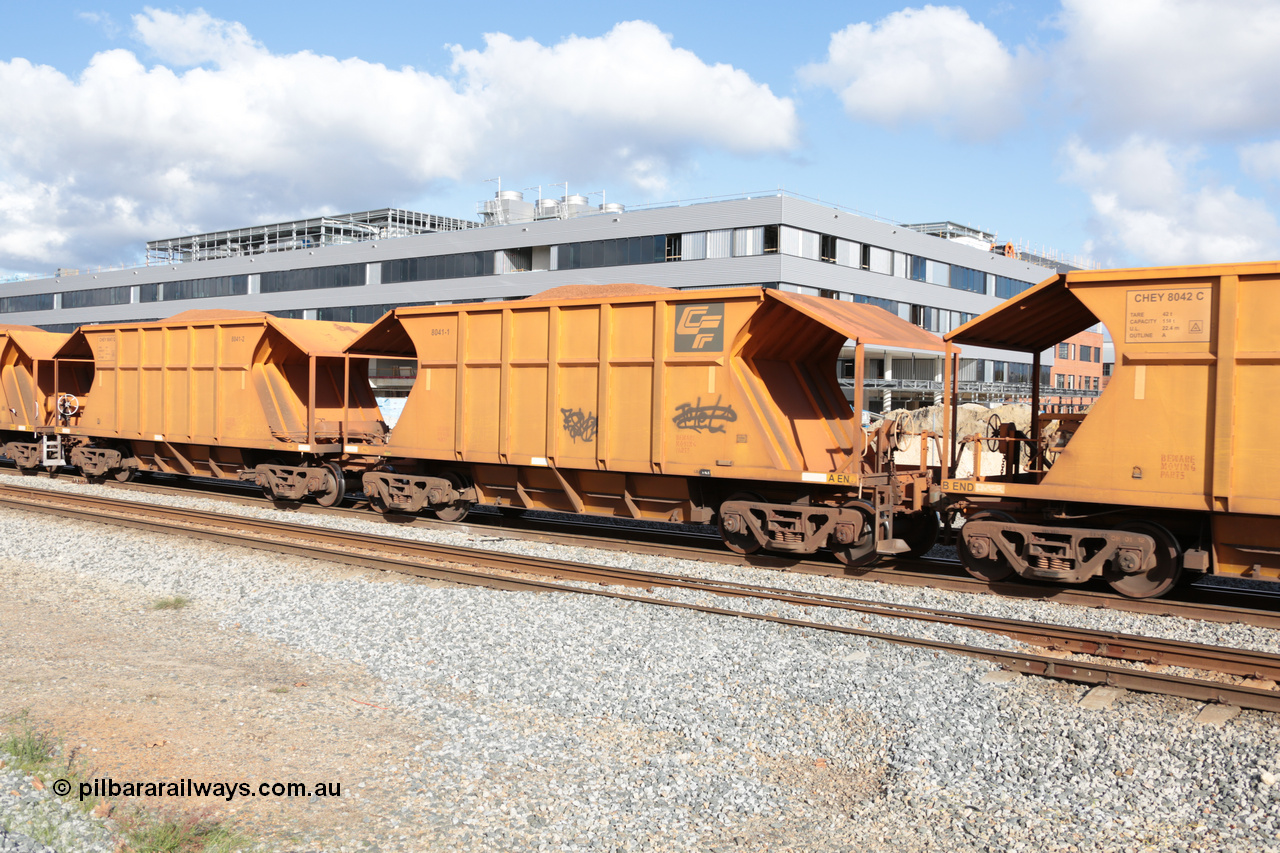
{"x":578,"y":723}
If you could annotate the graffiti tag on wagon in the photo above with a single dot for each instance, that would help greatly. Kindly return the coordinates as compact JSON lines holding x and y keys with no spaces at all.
{"x":697,"y":417}
{"x":579,"y":424}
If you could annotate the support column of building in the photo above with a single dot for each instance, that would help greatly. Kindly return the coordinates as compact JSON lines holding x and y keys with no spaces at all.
{"x":888,"y":391}
{"x":937,"y":396}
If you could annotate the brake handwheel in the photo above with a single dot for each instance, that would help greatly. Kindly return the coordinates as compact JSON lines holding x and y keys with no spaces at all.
{"x":68,"y":405}
{"x":992,"y":433}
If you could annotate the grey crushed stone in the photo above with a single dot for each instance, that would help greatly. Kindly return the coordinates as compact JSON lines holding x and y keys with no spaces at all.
{"x":576,"y":723}
{"x":32,"y":814}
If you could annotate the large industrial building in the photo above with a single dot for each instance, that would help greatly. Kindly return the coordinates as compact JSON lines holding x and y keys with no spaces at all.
{"x":356,"y":267}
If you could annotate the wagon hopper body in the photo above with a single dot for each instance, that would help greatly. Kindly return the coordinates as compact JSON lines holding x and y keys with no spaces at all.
{"x":227,"y":394}
{"x":27,"y":390}
{"x":647,"y":402}
{"x":1176,"y":464}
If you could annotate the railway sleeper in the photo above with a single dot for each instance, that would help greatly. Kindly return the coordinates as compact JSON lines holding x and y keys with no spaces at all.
{"x":407,"y":493}
{"x":793,"y":529}
{"x":1062,"y":554}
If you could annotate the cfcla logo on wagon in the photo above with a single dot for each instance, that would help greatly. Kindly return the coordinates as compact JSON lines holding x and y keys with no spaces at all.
{"x":700,"y":328}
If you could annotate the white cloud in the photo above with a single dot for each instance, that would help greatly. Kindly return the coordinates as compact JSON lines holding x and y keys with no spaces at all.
{"x":195,"y":38}
{"x":1177,"y":68}
{"x":932,"y":66}
{"x":229,"y":133}
{"x":629,"y":78}
{"x":103,"y":21}
{"x":1146,"y":207}
{"x":1261,"y":160}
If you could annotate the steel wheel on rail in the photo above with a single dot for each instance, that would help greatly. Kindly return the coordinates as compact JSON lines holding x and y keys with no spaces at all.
{"x":860,"y":549}
{"x":335,"y":485}
{"x":990,"y":567}
{"x":739,"y":541}
{"x":919,"y":530}
{"x":1159,"y":575}
{"x":457,"y":510}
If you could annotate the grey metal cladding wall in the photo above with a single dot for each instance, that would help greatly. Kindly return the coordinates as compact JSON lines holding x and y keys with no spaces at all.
{"x":810,"y":273}
{"x":803,"y":214}
{"x":710,"y":216}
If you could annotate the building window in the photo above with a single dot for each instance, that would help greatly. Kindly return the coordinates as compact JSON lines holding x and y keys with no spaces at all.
{"x":1009,"y":287}
{"x":770,"y":239}
{"x":317,"y":278}
{"x":963,"y":278}
{"x":620,"y":252}
{"x":887,"y":304}
{"x":925,"y":317}
{"x":1095,"y":383}
{"x":673,"y":248}
{"x":430,"y":268}
{"x":1064,"y":351}
{"x":195,"y":288}
{"x":917,"y":268}
{"x":34,"y":302}
{"x":1106,"y":369}
{"x":94,"y":298}
{"x":827,"y":249}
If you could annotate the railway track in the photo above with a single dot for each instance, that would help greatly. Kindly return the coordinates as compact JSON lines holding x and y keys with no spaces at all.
{"x":499,"y":570}
{"x":1206,"y":603}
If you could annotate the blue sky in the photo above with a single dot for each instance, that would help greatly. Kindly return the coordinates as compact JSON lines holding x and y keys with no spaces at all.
{"x":1142,"y":132}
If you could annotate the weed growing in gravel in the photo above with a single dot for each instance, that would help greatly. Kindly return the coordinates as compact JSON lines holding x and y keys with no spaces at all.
{"x":143,"y":831}
{"x":279,"y":689}
{"x":173,"y":602}
{"x":38,"y":752}
{"x":31,"y":748}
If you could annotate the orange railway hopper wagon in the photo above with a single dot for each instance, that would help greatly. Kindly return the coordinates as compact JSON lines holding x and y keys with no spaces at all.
{"x":26,"y":384}
{"x":650,"y":403}
{"x":1174,"y":467}
{"x":227,"y":394}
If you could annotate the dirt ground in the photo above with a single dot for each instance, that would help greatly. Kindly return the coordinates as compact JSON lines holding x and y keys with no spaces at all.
{"x":165,"y":695}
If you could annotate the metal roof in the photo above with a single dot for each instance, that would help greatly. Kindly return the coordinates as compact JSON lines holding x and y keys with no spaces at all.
{"x":312,"y":337}
{"x":36,"y":343}
{"x":1032,"y":321}
{"x":866,"y":324}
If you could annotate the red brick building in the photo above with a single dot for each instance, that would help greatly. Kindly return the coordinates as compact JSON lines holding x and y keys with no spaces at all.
{"x":1075,"y":380}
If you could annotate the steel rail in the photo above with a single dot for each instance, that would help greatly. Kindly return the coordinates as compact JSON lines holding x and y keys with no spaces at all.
{"x":231,"y":530}
{"x":897,"y":571}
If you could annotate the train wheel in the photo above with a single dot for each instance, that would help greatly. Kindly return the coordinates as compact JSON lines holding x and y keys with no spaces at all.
{"x":1161,"y":572}
{"x":124,"y":475}
{"x":458,"y":510}
{"x":918,"y":530}
{"x":861,"y":549}
{"x":988,"y":567}
{"x":335,"y":485}
{"x":739,"y":541}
